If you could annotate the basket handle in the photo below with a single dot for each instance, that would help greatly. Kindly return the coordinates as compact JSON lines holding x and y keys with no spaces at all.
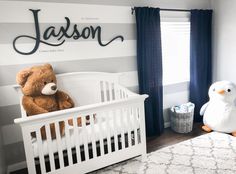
{"x":174,"y":109}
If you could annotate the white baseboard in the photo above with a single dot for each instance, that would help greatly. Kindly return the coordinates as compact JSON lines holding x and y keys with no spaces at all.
{"x":16,"y":166}
{"x":167,"y":124}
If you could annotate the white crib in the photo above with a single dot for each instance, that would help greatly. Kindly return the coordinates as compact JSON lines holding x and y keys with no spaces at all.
{"x":116,"y":129}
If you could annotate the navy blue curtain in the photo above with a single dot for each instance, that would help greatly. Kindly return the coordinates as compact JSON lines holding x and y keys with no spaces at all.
{"x":149,"y":59}
{"x":200,"y":58}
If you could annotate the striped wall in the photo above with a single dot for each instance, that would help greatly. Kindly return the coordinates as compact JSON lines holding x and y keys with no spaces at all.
{"x":113,"y":19}
{"x":80,"y":55}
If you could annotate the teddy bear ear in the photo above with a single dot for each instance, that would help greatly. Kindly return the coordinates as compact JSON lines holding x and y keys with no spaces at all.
{"x":49,"y":66}
{"x":22,"y":76}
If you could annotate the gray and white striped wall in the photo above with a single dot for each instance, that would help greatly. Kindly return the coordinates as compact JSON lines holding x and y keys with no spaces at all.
{"x":81,"y":55}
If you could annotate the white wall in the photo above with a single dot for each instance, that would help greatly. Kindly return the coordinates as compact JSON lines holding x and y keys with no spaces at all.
{"x":224,"y":40}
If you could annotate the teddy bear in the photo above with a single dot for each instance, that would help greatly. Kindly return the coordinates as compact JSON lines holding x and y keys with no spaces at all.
{"x":40,"y":94}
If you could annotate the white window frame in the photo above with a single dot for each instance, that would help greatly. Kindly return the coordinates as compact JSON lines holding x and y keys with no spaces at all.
{"x":172,"y":16}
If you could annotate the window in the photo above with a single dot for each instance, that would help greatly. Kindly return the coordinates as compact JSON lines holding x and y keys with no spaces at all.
{"x":175,"y":38}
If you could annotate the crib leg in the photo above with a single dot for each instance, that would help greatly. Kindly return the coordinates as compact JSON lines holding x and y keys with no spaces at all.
{"x":144,"y":152}
{"x":29,"y":152}
{"x":143,"y":133}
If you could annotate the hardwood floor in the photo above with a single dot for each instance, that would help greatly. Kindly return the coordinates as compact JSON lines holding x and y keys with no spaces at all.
{"x":168,"y":138}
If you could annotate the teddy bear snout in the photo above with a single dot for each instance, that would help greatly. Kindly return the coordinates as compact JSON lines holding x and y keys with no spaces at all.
{"x":54,"y":87}
{"x":49,"y":89}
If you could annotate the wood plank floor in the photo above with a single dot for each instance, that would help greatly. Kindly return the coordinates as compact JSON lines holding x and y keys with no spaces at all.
{"x":168,"y":138}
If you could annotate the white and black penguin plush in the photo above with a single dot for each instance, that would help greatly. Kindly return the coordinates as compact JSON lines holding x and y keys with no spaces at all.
{"x":219,"y":114}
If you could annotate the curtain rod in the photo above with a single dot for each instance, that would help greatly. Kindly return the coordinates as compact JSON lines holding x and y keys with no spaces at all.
{"x":167,"y":9}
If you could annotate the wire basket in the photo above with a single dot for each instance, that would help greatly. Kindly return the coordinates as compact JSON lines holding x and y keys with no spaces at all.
{"x":181,"y":120}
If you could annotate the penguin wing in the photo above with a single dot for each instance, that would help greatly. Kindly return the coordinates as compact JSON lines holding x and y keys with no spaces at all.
{"x":203,"y":108}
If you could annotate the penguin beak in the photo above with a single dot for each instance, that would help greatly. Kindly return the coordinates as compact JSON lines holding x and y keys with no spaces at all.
{"x":221,"y":91}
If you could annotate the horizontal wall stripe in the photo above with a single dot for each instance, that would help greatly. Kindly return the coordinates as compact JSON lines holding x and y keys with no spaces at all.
{"x":167,"y":89}
{"x":116,"y":64}
{"x":129,"y":79}
{"x":11,"y":134}
{"x":12,"y":112}
{"x":177,"y":87}
{"x":9,"y":31}
{"x":134,"y":89}
{"x":78,"y":13}
{"x":8,"y":114}
{"x":174,"y":99}
{"x":66,"y":52}
{"x":10,"y":96}
{"x":15,"y":153}
{"x":12,"y":129}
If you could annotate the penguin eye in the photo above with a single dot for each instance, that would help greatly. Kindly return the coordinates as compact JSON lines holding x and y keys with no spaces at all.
{"x":228,"y":90}
{"x":45,"y":83}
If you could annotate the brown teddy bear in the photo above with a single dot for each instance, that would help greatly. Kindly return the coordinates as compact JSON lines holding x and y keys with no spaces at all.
{"x":38,"y":84}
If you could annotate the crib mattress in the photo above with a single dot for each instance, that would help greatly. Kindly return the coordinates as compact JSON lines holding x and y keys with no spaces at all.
{"x":98,"y":134}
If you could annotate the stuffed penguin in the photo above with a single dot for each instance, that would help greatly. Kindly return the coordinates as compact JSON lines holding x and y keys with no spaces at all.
{"x":219,"y":113}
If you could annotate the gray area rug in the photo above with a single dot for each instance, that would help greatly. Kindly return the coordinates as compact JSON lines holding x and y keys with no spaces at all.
{"x":213,"y":153}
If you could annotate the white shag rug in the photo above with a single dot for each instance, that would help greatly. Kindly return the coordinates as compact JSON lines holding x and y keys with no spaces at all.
{"x":213,"y":153}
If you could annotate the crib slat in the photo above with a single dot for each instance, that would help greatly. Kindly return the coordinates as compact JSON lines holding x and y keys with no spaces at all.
{"x":101,"y":133}
{"x":40,"y":151}
{"x":91,"y":118}
{"x":85,"y":137}
{"x":140,"y":119}
{"x":142,"y":129}
{"x":68,"y":143}
{"x":132,"y":121}
{"x":108,"y":132}
{"x":116,"y":91}
{"x":29,"y":151}
{"x":49,"y":143}
{"x":121,"y":117}
{"x":77,"y":139}
{"x":107,"y":91}
{"x":116,"y":143}
{"x":59,"y":142}
{"x":121,"y":97}
{"x":128,"y":125}
{"x":135,"y":116}
{"x":110,"y":91}
{"x":123,"y":94}
{"x":102,"y":91}
{"x":113,"y":91}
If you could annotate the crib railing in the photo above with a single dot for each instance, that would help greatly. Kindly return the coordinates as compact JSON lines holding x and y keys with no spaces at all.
{"x":111,"y":91}
{"x":94,"y":135}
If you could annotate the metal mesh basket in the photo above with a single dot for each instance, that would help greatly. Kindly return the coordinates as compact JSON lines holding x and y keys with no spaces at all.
{"x":182,"y":122}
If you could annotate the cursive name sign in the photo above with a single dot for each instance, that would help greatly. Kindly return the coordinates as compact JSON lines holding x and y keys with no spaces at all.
{"x":61,"y":34}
